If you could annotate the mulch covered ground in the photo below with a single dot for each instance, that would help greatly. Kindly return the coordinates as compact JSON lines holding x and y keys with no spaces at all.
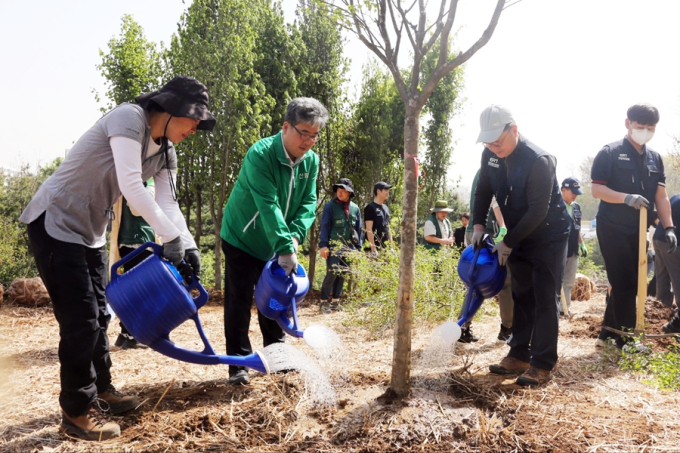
{"x":455,"y":405}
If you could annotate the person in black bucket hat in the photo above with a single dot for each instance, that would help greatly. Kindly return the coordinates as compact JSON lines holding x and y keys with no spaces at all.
{"x":340,"y":232}
{"x":67,"y":223}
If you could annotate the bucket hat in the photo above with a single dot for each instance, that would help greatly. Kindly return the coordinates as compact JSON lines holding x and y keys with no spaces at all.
{"x":183,"y":97}
{"x":441,"y":206}
{"x":344,"y":183}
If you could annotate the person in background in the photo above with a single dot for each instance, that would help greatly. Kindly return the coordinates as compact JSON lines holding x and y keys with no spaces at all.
{"x":377,"y":218}
{"x":340,"y":233}
{"x":437,"y":230}
{"x":67,"y":221}
{"x":627,"y":175}
{"x":571,"y":188}
{"x":667,"y":268}
{"x":129,"y":230}
{"x":269,"y":211}
{"x":522,"y":178}
{"x":459,"y":233}
{"x":495,"y":227}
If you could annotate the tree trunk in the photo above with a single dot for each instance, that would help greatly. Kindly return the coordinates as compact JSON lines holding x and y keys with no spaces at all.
{"x":218,"y":258}
{"x":401,"y":359}
{"x":313,"y":247}
{"x":199,"y":217}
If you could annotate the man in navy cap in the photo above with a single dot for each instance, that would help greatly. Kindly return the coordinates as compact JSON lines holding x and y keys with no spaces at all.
{"x":522,"y":178}
{"x":571,"y":188}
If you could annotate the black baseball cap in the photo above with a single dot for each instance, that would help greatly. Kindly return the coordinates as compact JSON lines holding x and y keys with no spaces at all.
{"x":573,"y":185}
{"x":381,"y":185}
{"x":183,"y":97}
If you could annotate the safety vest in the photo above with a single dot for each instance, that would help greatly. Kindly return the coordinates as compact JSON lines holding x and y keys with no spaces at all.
{"x":433,"y":219}
{"x":341,"y":227}
{"x":575,"y":228}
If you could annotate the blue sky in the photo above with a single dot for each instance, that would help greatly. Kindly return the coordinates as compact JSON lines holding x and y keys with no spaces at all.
{"x":568,"y":70}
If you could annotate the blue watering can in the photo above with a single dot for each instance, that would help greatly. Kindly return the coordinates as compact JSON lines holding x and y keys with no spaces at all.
{"x":483,"y":276}
{"x":151,"y":300}
{"x":277,"y":295}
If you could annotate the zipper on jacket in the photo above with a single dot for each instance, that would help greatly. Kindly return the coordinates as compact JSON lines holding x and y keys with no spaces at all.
{"x":290,"y":190}
{"x":252,"y":221}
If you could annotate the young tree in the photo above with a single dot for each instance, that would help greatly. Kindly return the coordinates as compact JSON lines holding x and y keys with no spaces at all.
{"x":381,"y":25}
{"x":132,"y":65}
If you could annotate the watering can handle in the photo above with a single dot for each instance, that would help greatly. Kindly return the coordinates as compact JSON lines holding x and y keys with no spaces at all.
{"x":290,"y":280}
{"x":157,"y":250}
{"x":489,"y":243}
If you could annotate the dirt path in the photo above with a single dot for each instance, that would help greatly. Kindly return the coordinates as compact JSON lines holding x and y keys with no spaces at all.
{"x":589,"y":406}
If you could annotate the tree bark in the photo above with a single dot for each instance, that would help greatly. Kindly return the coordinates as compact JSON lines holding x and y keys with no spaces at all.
{"x":401,"y":360}
{"x":199,"y":217}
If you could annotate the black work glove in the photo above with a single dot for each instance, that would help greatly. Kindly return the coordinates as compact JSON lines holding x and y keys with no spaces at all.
{"x":173,"y":251}
{"x":671,"y":239}
{"x":192,"y":263}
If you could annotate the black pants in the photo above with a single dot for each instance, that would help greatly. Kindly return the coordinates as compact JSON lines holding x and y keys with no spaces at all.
{"x":536,"y":283}
{"x":75,"y":277}
{"x":620,"y":253}
{"x":336,"y":268}
{"x":124,"y":251}
{"x":241,"y":272}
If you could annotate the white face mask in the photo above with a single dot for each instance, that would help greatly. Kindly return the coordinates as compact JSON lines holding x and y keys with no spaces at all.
{"x":641,"y":136}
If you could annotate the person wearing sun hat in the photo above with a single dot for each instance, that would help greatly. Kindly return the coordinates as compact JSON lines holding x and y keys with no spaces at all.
{"x":522,"y":178}
{"x":340,"y":230}
{"x":437,"y":229}
{"x":67,"y":222}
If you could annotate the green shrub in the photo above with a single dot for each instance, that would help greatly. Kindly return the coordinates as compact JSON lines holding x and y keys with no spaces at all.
{"x":663,"y":368}
{"x":592,"y":266}
{"x":15,"y":261}
{"x":372,"y":303}
{"x":208,"y":268}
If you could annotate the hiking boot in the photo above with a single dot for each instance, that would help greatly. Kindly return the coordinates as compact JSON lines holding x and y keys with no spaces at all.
{"x":673,"y":326}
{"x":466,"y":336}
{"x":324,"y":308}
{"x":92,"y":425}
{"x":127,"y":342}
{"x":509,"y":365}
{"x":505,"y":334}
{"x":534,"y":376}
{"x":239,"y":378}
{"x":335,"y":305}
{"x":118,"y":402}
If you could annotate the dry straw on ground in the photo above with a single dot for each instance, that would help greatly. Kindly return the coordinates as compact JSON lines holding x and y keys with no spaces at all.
{"x":589,"y":406}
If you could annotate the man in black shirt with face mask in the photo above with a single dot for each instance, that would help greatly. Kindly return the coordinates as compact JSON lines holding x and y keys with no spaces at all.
{"x":627,"y":175}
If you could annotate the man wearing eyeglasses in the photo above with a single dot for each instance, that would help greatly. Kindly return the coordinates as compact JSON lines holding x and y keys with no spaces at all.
{"x":522,"y":178}
{"x":627,"y":175}
{"x":269,"y":211}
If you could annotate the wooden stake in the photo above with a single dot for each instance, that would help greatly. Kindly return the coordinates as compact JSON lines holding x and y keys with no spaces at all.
{"x":642,"y":274}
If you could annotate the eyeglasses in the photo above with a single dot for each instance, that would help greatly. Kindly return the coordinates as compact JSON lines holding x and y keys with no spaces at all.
{"x":498,"y":143}
{"x":306,"y":137}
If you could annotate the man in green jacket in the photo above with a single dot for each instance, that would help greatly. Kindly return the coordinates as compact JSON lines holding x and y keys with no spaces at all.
{"x":269,"y":212}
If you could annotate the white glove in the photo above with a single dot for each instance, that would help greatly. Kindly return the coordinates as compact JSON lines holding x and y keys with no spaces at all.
{"x":288,"y":263}
{"x":503,"y":252}
{"x":636,"y":201}
{"x":477,"y":238}
{"x":374,"y":253}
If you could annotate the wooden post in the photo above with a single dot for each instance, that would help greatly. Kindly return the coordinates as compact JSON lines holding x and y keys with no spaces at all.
{"x":642,"y":274}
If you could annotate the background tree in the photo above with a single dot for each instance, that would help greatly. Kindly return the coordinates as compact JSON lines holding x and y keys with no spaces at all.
{"x":321,"y":71}
{"x":216,"y":44}
{"x":440,"y":107}
{"x":589,"y":204}
{"x":381,"y":25}
{"x":131,"y":66}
